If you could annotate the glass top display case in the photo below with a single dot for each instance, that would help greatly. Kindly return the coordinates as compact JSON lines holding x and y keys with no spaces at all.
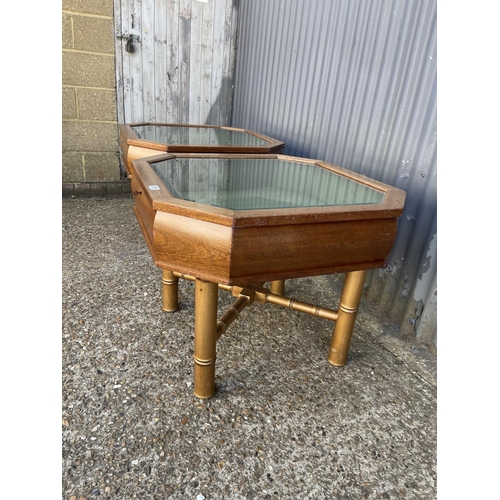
{"x":278,"y":216}
{"x":237,"y":222}
{"x":255,"y":184}
{"x":138,"y":140}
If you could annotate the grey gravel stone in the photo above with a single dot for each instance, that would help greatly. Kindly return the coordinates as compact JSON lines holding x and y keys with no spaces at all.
{"x":284,"y":423}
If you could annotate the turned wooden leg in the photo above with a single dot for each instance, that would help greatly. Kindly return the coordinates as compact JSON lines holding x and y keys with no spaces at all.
{"x":205,"y":337}
{"x":348,"y":309}
{"x":170,"y":290}
{"x":277,"y":287}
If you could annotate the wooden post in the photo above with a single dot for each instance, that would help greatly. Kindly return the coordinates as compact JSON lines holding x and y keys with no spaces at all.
{"x":170,"y":290}
{"x":205,"y":337}
{"x":348,"y":309}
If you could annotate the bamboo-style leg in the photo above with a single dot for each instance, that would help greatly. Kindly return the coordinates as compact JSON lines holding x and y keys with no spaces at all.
{"x":348,"y":309}
{"x":205,"y":337}
{"x":170,"y":290}
{"x":277,"y":287}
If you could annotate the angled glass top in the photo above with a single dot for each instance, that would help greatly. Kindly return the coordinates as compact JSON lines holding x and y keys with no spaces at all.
{"x":251,"y":184}
{"x":196,"y":136}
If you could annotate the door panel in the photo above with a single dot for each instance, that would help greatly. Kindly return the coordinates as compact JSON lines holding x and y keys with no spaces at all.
{"x":181,"y":69}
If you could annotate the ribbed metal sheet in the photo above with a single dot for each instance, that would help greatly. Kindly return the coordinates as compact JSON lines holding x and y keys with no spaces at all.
{"x":354,"y":83}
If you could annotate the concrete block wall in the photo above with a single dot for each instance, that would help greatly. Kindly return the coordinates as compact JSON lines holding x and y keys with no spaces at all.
{"x":90,"y":157}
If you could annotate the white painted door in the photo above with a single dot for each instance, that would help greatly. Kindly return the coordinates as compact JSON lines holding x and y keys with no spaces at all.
{"x":175,"y":60}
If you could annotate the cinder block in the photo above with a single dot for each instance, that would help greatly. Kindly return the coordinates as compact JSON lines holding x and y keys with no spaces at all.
{"x":100,"y":167}
{"x":89,"y":136}
{"x":95,"y":189}
{"x":88,"y":70}
{"x":98,"y":189}
{"x":116,"y":188}
{"x":69,"y":103}
{"x":82,"y":190}
{"x":68,"y":190}
{"x":72,"y":167}
{"x":93,"y":34}
{"x":97,"y":104}
{"x":67,"y":32}
{"x":101,"y":7}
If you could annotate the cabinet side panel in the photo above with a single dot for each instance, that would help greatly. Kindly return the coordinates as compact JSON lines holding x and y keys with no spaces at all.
{"x":193,"y":247}
{"x":310,"y":249}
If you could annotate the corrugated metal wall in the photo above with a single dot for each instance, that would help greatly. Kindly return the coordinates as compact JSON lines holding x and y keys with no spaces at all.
{"x":354,"y":83}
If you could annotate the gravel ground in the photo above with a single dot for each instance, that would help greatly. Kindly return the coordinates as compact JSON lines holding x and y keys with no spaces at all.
{"x":283,"y":424}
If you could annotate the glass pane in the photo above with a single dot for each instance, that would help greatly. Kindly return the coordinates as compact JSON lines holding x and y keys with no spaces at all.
{"x":192,"y":136}
{"x":249,"y":184}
